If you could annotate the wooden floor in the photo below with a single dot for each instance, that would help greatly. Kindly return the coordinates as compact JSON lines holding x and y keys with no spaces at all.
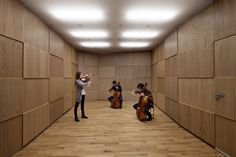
{"x":115,"y":133}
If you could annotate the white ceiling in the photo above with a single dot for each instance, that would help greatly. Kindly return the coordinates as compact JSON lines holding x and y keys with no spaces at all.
{"x":113,"y":18}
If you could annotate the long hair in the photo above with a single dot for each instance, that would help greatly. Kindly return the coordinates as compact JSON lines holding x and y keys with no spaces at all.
{"x":77,"y":75}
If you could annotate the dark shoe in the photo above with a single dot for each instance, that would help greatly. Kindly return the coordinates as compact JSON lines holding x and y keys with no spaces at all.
{"x":85,"y":117}
{"x":76,"y":119}
{"x":149,"y":119}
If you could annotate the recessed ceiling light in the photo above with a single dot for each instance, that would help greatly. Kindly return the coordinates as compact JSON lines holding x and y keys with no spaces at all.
{"x":89,"y":34}
{"x":75,"y":14}
{"x":139,"y":34}
{"x":134,"y":44}
{"x":150,"y":15}
{"x":95,"y":44}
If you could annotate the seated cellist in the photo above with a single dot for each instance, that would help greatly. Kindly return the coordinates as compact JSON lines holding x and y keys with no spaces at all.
{"x":143,"y":91}
{"x":116,"y":87}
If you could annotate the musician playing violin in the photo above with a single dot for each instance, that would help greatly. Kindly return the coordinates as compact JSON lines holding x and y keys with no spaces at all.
{"x":144,"y":92}
{"x":116,"y":87}
{"x":80,"y":82}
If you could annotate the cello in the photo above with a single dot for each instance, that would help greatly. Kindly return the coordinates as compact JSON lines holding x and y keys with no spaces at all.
{"x":143,"y":101}
{"x":115,"y":103}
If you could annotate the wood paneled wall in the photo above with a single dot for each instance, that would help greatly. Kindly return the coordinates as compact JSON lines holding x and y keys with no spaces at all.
{"x":127,"y":68}
{"x":199,"y":58}
{"x":37,"y":70}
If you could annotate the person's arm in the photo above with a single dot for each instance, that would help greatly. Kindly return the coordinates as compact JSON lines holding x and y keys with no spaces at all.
{"x":112,"y":88}
{"x":81,"y":83}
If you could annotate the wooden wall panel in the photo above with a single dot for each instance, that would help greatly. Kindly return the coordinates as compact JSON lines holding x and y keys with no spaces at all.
{"x":123,"y":59}
{"x":154,"y":84}
{"x":90,"y":59}
{"x":142,"y":71}
{"x":160,"y":101}
{"x":198,"y":64}
{"x":56,"y":88}
{"x":68,"y":86}
{"x":127,"y":84}
{"x":56,"y":109}
{"x":202,"y":127}
{"x":68,"y":101}
{"x":106,"y":71}
{"x":172,"y":108}
{"x":56,"y":66}
{"x":74,"y":56}
{"x":226,"y":106}
{"x":103,"y":95}
{"x":171,"y":67}
{"x":124,"y":72}
{"x":161,"y":85}
{"x":91,"y":94}
{"x":74,"y":70}
{"x":56,"y":44}
{"x":12,"y":17}
{"x":34,"y":122}
{"x":36,"y":93}
{"x":67,"y":52}
{"x":161,"y":52}
{"x":127,"y":96}
{"x":11,"y":57}
{"x":198,"y":93}
{"x":80,"y":58}
{"x":224,"y":19}
{"x":170,"y":45}
{"x":107,"y":60}
{"x":171,"y":88}
{"x":197,"y":33}
{"x":36,"y":62}
{"x":10,"y":136}
{"x":67,"y":69}
{"x":36,"y":33}
{"x":161,"y":69}
{"x":154,"y":56}
{"x":225,"y":135}
{"x":134,"y":82}
{"x":11,"y":98}
{"x":225,"y":57}
{"x":143,"y":58}
{"x":105,"y":84}
{"x":154,"y":71}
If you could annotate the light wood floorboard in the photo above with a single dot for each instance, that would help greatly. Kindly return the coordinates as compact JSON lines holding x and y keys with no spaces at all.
{"x":116,"y":133}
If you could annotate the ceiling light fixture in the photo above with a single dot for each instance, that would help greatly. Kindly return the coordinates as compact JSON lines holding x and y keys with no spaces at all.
{"x":134,"y":44}
{"x":94,"y":44}
{"x":89,"y":34}
{"x":150,"y":15}
{"x":140,"y":34}
{"x":75,"y":15}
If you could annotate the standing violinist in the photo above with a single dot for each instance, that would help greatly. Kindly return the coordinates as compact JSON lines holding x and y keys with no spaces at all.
{"x":116,"y":87}
{"x":80,"y":82}
{"x":143,"y":91}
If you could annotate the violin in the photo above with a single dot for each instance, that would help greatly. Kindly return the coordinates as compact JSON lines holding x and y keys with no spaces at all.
{"x":86,"y":78}
{"x":115,"y":103}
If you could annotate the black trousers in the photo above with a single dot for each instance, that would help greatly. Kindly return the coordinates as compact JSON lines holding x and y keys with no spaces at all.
{"x":82,"y":107}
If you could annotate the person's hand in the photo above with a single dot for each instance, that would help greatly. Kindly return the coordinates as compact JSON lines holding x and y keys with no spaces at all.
{"x":142,"y":94}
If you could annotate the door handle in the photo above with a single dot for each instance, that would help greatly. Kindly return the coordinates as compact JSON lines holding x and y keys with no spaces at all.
{"x":219,"y":95}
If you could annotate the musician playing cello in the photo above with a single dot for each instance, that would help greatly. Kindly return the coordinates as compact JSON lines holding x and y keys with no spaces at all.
{"x":116,"y":87}
{"x":144,"y":92}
